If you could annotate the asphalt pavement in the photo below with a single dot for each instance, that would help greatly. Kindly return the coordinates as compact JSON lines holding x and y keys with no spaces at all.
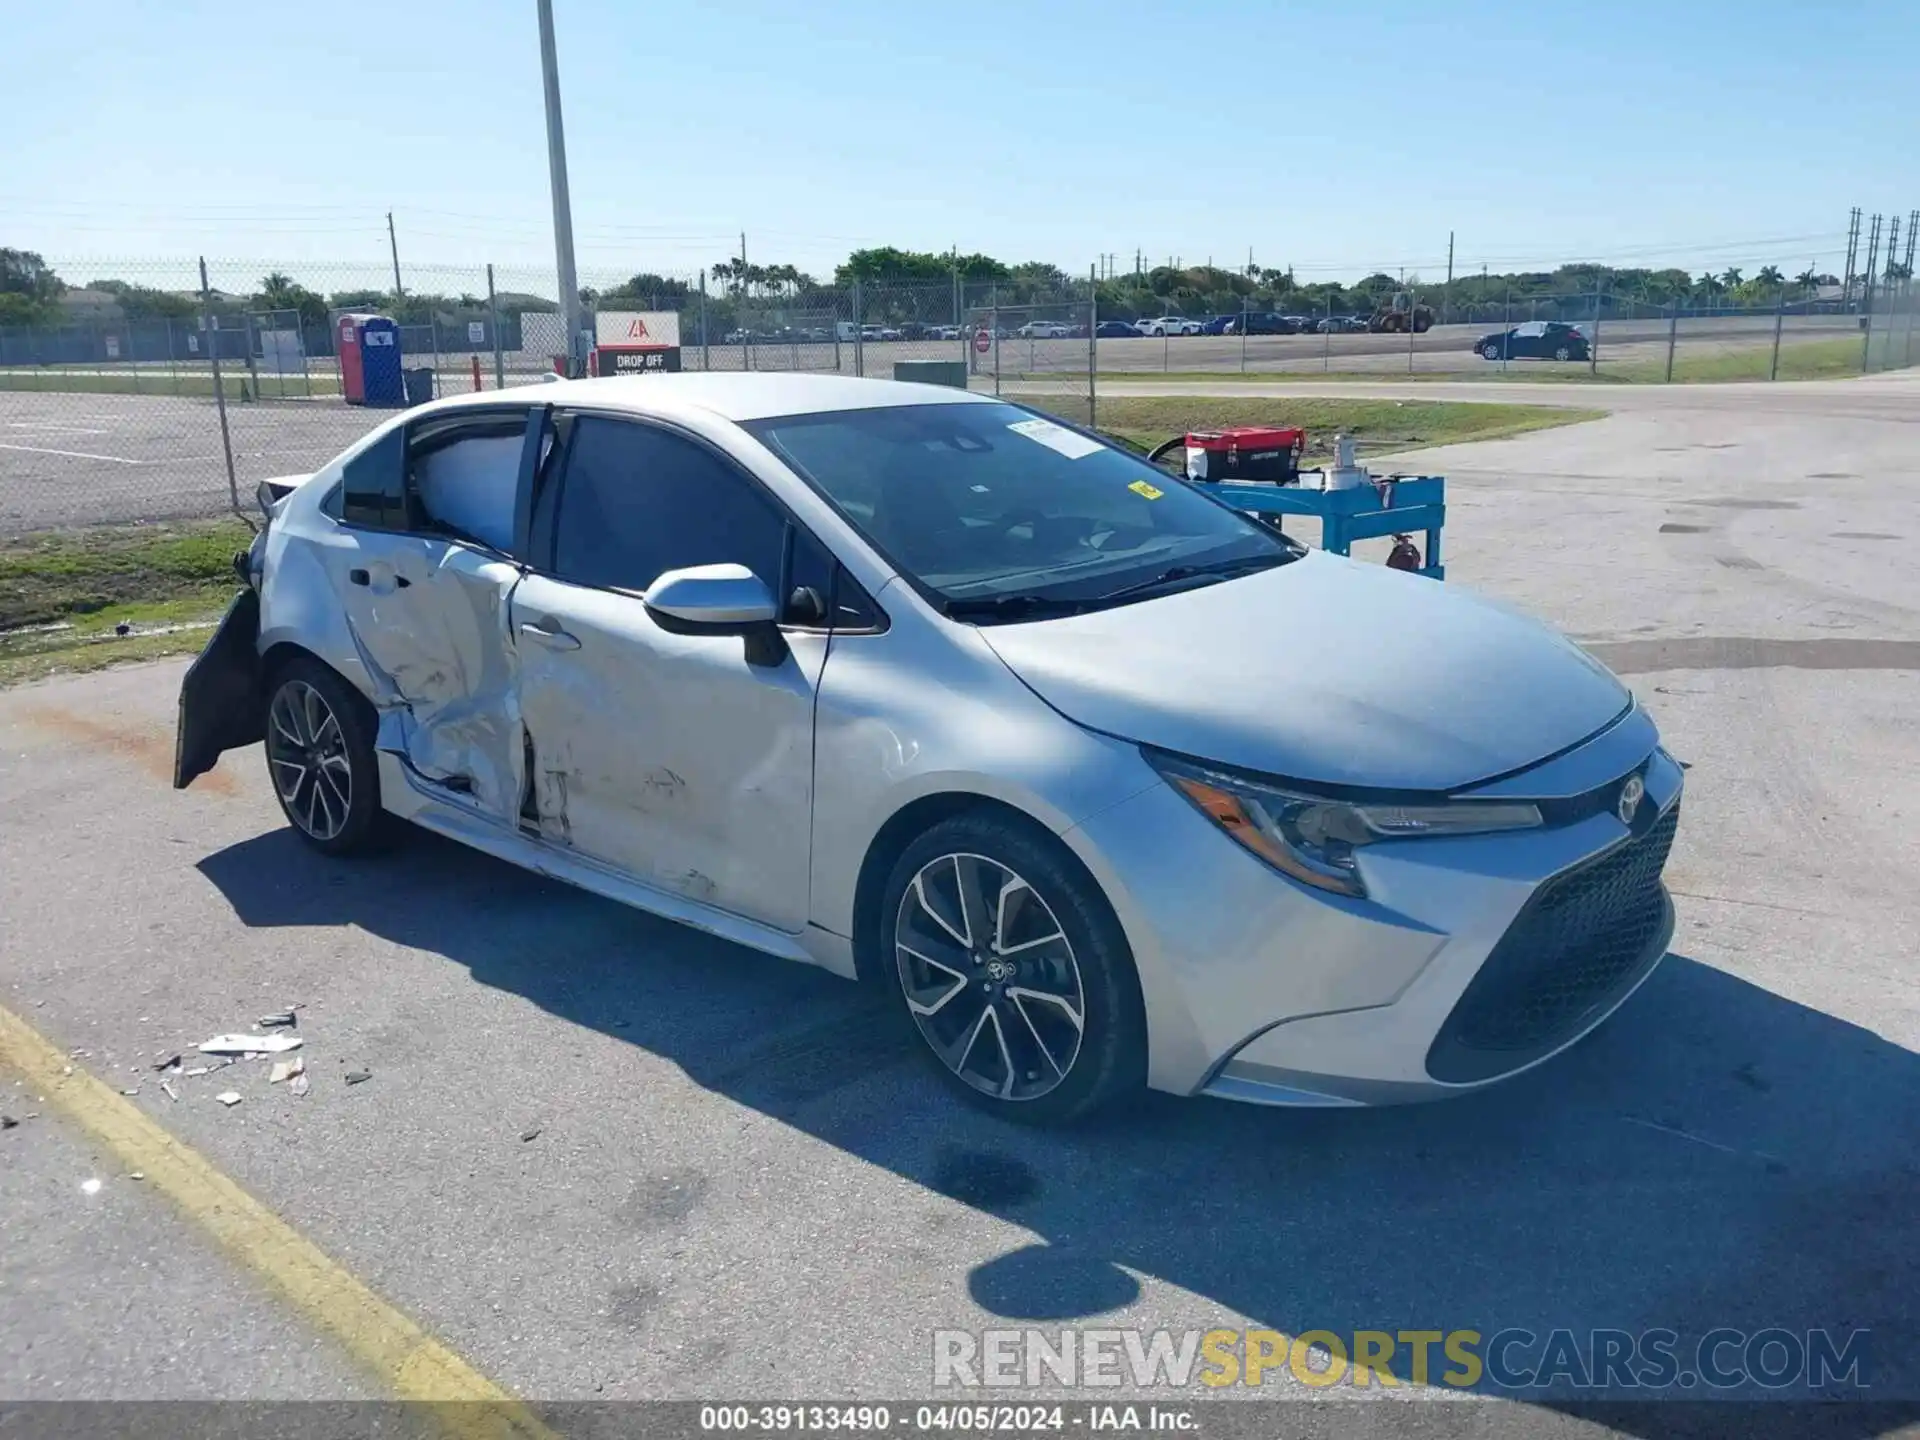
{"x":600,"y":1156}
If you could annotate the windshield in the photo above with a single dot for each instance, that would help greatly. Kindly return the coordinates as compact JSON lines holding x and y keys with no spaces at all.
{"x":986,"y":502}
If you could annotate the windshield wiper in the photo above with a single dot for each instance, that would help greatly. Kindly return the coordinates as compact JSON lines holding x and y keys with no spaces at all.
{"x":1008,"y":607}
{"x":1221,"y":570}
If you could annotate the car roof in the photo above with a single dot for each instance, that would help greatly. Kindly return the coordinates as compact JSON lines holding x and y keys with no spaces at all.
{"x":732,"y":396}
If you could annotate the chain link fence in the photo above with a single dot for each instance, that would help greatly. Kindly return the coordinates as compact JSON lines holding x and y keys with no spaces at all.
{"x":170,"y":389}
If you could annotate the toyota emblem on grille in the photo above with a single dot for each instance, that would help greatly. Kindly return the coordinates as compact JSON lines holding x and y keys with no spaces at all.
{"x":1631,"y":794}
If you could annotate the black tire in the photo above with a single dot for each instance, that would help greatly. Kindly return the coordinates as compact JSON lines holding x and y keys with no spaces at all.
{"x":1107,"y":1058}
{"x":1490,"y":351}
{"x":344,"y":750}
{"x":1563,"y":353}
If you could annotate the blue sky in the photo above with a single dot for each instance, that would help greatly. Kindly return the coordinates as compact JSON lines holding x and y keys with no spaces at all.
{"x":1338,"y":136}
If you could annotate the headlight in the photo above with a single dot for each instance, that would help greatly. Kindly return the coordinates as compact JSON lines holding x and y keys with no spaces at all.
{"x":1312,"y":837}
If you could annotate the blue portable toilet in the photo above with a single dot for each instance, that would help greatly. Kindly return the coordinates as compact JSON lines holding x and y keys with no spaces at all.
{"x":380,"y":375}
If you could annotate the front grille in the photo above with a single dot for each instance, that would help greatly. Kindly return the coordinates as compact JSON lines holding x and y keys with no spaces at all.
{"x":1581,"y":940}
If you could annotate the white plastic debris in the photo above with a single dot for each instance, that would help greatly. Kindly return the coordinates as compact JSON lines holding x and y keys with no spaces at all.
{"x":250,"y":1044}
{"x":298,"y":1085}
{"x":89,"y":1187}
{"x":172,"y":1094}
{"x":229,"y":1098}
{"x":286,"y":1070}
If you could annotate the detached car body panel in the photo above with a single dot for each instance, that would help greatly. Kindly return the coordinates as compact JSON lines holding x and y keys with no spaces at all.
{"x":727,"y":648}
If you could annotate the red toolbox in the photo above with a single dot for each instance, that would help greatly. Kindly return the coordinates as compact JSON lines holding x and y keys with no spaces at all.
{"x":1246,"y":453}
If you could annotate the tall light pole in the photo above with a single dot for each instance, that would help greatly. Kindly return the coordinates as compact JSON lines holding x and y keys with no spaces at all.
{"x":562,"y":205}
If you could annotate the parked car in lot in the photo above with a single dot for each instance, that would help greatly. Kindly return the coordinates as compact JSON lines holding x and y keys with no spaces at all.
{"x":1116,"y":330}
{"x":1044,"y":330}
{"x":926,"y":688}
{"x":1340,"y":325}
{"x":943,"y":332}
{"x":1258,"y":324}
{"x":1219,"y":325}
{"x":1170,"y":325}
{"x":1535,"y":340}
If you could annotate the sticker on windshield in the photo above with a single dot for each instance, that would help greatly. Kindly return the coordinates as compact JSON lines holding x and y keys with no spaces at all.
{"x":1057,"y":437}
{"x":1141,"y":487}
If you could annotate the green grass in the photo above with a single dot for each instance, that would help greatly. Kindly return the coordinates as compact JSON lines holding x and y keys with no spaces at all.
{"x":1378,"y":425}
{"x":84,"y":583}
{"x":1804,"y":360}
{"x":1531,"y":370}
{"x":194,"y":384}
{"x":1833,"y":359}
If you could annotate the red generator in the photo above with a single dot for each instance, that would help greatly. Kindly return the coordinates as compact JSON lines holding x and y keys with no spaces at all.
{"x":1246,"y":452}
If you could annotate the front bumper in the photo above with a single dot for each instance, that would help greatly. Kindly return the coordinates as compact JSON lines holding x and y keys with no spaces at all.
{"x":1473,"y":958}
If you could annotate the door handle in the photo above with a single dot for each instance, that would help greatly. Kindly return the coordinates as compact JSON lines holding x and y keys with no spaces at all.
{"x":553,"y":638}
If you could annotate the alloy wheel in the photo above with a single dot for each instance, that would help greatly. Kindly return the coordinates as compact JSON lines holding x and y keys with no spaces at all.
{"x":989,"y":977}
{"x":307,"y":753}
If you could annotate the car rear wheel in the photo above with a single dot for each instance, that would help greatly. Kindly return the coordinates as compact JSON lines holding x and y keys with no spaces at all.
{"x":319,"y":744}
{"x":1562,"y":353}
{"x":1014,"y":971}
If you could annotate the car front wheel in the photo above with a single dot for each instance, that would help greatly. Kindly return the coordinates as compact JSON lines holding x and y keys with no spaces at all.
{"x":319,"y":744}
{"x":1014,"y":971}
{"x":1491,"y":351}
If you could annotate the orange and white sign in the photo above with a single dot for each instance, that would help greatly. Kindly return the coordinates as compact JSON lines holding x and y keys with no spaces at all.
{"x":637,"y":327}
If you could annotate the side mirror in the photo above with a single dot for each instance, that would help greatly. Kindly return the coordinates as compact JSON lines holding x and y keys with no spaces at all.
{"x":712,"y":597}
{"x":719,"y":600}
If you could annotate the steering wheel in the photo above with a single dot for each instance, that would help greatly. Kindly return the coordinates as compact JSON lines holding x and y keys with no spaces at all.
{"x":1021,"y":515}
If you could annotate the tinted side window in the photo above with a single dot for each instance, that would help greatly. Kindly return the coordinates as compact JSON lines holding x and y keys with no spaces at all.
{"x":637,"y":501}
{"x":373,"y":489}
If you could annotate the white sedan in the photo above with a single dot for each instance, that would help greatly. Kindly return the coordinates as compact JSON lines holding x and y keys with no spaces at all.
{"x":1105,"y":784}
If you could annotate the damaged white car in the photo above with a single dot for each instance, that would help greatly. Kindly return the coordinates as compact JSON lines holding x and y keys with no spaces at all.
{"x":1110,"y":785}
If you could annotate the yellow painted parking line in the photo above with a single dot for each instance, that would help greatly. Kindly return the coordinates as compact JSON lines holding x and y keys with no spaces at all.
{"x":412,"y":1364}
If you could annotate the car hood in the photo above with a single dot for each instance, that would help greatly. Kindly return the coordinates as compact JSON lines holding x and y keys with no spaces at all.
{"x":1324,"y":670}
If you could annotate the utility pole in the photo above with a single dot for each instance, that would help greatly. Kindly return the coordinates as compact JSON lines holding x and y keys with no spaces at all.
{"x":1853,"y":254}
{"x":1866,"y":295}
{"x":393,"y":245}
{"x":1446,"y":303}
{"x":557,"y":175}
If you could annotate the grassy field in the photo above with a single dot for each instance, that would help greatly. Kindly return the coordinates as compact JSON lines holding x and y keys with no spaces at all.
{"x":186,"y":384}
{"x":62,"y":595}
{"x":1806,"y":360}
{"x":1377,"y":425}
{"x":1834,"y":359}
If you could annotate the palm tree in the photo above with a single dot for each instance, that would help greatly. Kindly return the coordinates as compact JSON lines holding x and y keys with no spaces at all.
{"x":1730,"y":277}
{"x":1769,"y":275}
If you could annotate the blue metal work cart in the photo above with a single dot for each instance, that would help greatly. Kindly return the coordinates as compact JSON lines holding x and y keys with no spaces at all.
{"x":1379,"y":506}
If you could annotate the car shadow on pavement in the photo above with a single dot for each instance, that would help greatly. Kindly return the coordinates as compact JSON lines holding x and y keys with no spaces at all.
{"x":1716,"y":1155}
